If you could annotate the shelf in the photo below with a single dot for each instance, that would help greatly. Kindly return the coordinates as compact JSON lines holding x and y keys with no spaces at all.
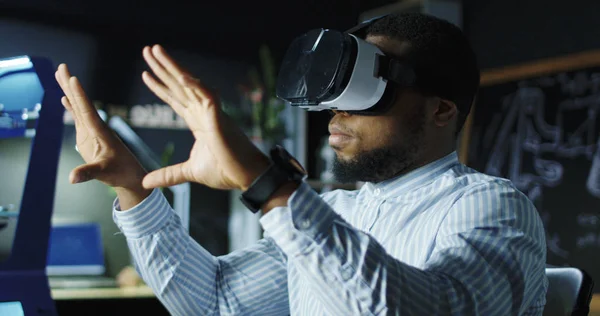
{"x":102,"y":293}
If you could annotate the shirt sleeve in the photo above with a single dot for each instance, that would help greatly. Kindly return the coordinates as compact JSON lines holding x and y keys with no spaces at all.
{"x":489,"y":258}
{"x":187,"y":279}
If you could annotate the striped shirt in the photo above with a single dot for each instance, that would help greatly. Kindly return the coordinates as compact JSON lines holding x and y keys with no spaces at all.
{"x":440,"y":240}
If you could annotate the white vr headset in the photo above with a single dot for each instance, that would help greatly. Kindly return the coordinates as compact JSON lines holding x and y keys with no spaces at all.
{"x":331,"y":70}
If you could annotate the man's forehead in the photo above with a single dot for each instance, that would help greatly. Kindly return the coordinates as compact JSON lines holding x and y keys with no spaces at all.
{"x":389,"y":46}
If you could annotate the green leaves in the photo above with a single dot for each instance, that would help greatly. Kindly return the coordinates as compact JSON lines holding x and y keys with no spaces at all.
{"x":268,"y":70}
{"x":265,"y":113}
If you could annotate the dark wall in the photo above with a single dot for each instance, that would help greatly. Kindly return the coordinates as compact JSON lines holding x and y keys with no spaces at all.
{"x":512,"y":32}
{"x":505,"y":32}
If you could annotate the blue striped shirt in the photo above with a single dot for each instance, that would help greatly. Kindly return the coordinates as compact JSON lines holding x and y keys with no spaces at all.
{"x":440,"y":240}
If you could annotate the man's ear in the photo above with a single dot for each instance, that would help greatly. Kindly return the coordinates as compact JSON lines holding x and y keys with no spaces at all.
{"x":444,"y":112}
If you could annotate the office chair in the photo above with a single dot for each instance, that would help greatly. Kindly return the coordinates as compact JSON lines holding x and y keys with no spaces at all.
{"x":569,"y":291}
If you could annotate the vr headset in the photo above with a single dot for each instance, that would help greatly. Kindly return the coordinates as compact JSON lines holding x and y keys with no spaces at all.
{"x":331,"y":70}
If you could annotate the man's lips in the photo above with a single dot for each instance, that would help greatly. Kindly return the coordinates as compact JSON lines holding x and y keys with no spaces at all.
{"x":334,"y":130}
{"x":338,"y":138}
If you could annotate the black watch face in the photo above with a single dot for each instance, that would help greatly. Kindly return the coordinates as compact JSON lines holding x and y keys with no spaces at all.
{"x":297,"y":165}
{"x":285,"y":159}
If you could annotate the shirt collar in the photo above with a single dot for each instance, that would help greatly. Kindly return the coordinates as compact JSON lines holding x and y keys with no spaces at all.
{"x":412,"y":180}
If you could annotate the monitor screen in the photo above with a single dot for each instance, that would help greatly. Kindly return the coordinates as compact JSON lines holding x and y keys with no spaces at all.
{"x":21,"y":97}
{"x":21,"y":94}
{"x":11,"y":309}
{"x":8,"y":227}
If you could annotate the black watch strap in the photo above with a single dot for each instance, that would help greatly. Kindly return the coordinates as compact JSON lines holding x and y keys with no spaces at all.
{"x":264,"y":186}
{"x":283,"y":169}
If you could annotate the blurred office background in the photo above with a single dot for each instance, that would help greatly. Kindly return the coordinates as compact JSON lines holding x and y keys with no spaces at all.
{"x":224,"y":43}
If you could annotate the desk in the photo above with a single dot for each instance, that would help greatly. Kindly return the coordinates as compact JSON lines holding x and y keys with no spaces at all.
{"x":107,"y":301}
{"x":142,"y":291}
{"x":595,"y":305}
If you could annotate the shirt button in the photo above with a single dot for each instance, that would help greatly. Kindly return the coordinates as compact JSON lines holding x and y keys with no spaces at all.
{"x":377,"y":191}
{"x":305,"y":224}
{"x":346,"y":273}
{"x":291,"y":235}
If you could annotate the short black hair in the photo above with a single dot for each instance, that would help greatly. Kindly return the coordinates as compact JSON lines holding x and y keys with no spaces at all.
{"x":440,"y":51}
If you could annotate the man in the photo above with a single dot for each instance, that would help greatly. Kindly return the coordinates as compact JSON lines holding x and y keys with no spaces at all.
{"x":424,"y":236}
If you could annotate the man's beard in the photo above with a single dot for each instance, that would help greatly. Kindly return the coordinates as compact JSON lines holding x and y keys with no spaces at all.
{"x":385,"y":162}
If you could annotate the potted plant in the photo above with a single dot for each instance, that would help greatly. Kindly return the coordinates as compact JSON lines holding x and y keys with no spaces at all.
{"x":260,"y":111}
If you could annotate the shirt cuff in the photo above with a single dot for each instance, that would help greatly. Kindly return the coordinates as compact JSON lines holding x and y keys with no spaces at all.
{"x":304,"y":223}
{"x":146,"y":218}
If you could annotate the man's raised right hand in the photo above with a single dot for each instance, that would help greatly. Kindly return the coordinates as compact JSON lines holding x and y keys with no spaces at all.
{"x":106,"y":157}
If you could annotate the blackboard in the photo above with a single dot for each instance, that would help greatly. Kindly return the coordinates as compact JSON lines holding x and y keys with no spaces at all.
{"x":538,"y":125}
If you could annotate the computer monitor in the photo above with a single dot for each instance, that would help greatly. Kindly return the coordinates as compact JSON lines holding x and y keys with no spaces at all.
{"x":19,"y":107}
{"x":177,"y":195}
{"x":11,"y":309}
{"x":8,"y":227}
{"x":29,"y":107}
{"x":21,"y":95}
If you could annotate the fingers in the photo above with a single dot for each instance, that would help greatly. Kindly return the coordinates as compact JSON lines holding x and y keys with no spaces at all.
{"x":83,"y":107}
{"x":196,"y":92}
{"x":174,"y":77}
{"x":162,"y":92}
{"x":169,"y":64}
{"x":159,"y":70}
{"x":62,"y":77}
{"x":85,"y":173}
{"x":166,"y":177}
{"x":65,"y":102}
{"x":75,"y":100}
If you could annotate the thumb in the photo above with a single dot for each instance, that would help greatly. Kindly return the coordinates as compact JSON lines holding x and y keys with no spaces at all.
{"x":166,"y":177}
{"x":85,"y":173}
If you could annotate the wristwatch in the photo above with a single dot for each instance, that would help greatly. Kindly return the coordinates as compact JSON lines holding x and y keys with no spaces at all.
{"x":284,"y":168}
